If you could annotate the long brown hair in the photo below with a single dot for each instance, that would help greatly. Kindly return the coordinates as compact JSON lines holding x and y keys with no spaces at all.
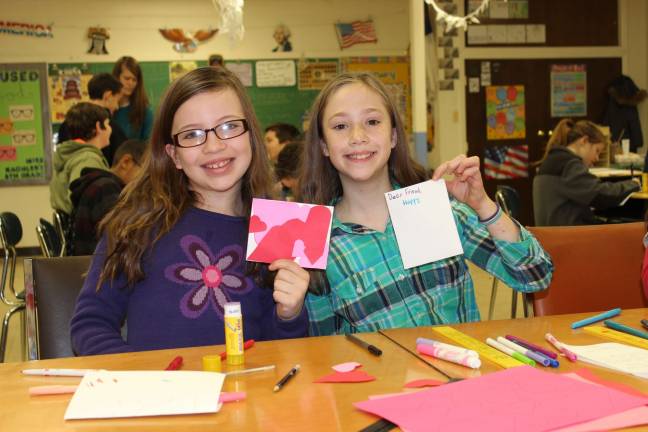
{"x":319,"y":180}
{"x":138,"y":100}
{"x":568,"y":131}
{"x":151,"y":204}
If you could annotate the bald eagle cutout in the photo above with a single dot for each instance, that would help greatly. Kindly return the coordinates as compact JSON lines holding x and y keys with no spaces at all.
{"x":185,"y":41}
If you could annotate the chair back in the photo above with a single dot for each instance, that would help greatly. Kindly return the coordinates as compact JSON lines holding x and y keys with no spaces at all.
{"x":10,"y":236}
{"x":596,"y":267}
{"x":48,"y":238}
{"x":509,"y":200}
{"x":62,"y":225}
{"x":52,"y":286}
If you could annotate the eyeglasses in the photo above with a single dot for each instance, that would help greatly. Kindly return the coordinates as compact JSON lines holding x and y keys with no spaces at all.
{"x":224,"y":131}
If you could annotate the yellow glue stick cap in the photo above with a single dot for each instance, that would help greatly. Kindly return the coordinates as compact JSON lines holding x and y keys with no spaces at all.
{"x":211,"y":363}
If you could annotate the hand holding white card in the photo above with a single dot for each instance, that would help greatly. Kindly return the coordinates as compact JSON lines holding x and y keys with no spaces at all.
{"x":423,"y":222}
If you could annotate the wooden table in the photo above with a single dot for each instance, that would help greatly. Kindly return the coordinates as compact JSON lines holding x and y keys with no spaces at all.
{"x":301,"y":404}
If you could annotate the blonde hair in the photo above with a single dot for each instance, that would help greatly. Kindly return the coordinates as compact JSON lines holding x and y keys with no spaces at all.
{"x":567,"y":131}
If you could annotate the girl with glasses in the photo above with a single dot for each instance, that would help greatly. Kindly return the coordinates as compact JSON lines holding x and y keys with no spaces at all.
{"x":172,"y":251}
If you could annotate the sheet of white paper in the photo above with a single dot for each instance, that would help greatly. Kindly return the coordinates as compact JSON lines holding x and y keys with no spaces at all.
{"x":477,"y":35}
{"x":497,"y":34}
{"x":423,"y":222}
{"x":112,"y":394}
{"x":612,"y":355}
{"x":515,"y":34}
{"x":535,"y":33}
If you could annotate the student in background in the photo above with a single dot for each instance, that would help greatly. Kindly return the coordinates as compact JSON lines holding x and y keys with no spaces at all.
{"x":104,"y":90}
{"x":134,"y":115}
{"x":89,"y":130}
{"x":564,"y":191}
{"x":356,"y":151}
{"x":172,"y":251}
{"x":287,"y":168}
{"x":95,"y":193}
{"x":276,"y":136}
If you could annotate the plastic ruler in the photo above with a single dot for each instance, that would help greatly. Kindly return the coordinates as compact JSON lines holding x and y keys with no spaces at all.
{"x":617,"y":335}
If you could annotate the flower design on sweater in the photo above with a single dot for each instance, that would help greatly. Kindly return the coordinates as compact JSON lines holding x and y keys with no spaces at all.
{"x":211,"y":278}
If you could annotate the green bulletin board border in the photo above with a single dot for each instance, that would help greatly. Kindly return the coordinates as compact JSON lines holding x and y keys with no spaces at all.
{"x":11,"y":73}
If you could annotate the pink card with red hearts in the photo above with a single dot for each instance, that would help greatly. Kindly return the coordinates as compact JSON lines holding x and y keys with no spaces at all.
{"x":291,"y":230}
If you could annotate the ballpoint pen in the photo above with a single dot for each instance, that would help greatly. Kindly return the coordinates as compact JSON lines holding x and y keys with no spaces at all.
{"x":371,"y":348}
{"x":644,"y":323}
{"x":282,"y":382}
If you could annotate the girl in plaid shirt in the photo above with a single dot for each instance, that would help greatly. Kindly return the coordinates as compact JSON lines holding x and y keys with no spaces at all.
{"x":356,"y":152}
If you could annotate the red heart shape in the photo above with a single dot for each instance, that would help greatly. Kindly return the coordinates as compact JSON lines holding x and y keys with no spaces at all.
{"x":257,"y":225}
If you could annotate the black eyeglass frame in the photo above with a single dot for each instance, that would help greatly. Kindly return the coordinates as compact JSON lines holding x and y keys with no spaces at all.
{"x":246,"y":127}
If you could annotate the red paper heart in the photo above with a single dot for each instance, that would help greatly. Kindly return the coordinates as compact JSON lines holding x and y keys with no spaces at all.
{"x":423,"y":383}
{"x":346,"y":377}
{"x":257,"y":225}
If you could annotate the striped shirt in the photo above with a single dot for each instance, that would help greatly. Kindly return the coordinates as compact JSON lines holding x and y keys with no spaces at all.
{"x":369,"y":289}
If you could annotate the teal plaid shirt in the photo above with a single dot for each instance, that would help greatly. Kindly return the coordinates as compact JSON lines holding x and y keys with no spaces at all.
{"x":368,"y":288}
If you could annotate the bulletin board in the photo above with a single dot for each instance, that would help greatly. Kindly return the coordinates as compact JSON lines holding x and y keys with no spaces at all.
{"x":25,"y":133}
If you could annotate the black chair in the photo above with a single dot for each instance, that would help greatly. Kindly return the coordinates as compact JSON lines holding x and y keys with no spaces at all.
{"x":62,"y":224}
{"x":54,"y":284}
{"x":50,"y":242}
{"x":10,"y":236}
{"x":509,"y":200}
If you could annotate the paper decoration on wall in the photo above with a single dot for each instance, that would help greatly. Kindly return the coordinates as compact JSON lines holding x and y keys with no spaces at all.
{"x":503,"y":9}
{"x":7,"y":153}
{"x":453,"y":21}
{"x":26,"y":29}
{"x":67,"y":88}
{"x":231,"y":18}
{"x":185,"y":41}
{"x":568,"y":90}
{"x":243,"y":71}
{"x":281,"y":35}
{"x":276,"y":73}
{"x":355,"y":32}
{"x":179,"y":68}
{"x":506,"y":162}
{"x":289,"y":230}
{"x":99,"y":36}
{"x":505,"y":115}
{"x":314,"y":75}
{"x":6,"y":126}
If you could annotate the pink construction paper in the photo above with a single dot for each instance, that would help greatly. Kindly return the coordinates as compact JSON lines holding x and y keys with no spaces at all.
{"x":281,"y":229}
{"x":423,"y":383}
{"x":346,"y":367}
{"x":521,"y":398}
{"x":632,"y":417}
{"x":346,"y":377}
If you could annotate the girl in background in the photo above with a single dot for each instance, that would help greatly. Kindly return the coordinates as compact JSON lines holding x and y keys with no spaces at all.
{"x":564,"y":191}
{"x":134,"y":115}
{"x":357,"y":151}
{"x":172,"y":251}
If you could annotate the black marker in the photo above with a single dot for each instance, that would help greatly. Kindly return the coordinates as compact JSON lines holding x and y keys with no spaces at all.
{"x":291,"y":373}
{"x":371,"y":348}
{"x":644,"y":323}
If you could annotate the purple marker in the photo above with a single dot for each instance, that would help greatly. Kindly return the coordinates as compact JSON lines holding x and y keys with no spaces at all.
{"x":532,"y":346}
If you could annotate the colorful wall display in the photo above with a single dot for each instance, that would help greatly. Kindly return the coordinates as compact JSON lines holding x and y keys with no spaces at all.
{"x":66,"y":88}
{"x":25,"y":133}
{"x":506,"y":162}
{"x":505,"y":114}
{"x":568,"y":90}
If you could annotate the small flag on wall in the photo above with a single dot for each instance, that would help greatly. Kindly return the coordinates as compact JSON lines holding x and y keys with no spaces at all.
{"x":506,"y":162}
{"x":355,"y":32}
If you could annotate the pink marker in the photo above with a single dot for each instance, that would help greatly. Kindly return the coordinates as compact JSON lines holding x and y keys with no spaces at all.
{"x":553,"y":341}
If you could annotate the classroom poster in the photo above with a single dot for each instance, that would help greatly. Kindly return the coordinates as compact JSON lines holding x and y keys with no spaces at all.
{"x":180,"y":68}
{"x":276,"y":73}
{"x":67,"y":87}
{"x":394,"y":73}
{"x":243,"y":70}
{"x":25,"y":133}
{"x":506,"y":162}
{"x":314,"y":75}
{"x":568,"y":90}
{"x":505,"y":115}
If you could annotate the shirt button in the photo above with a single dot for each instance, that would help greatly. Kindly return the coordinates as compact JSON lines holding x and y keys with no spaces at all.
{"x":359,"y":290}
{"x":401,"y":277}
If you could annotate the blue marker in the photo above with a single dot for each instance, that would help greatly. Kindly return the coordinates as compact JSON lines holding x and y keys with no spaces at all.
{"x":595,"y":318}
{"x":625,"y":329}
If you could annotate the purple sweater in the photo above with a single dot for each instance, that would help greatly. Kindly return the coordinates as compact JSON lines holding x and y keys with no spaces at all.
{"x":192,"y":271}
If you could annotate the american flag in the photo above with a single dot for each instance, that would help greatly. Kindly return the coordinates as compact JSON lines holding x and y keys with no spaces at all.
{"x":506,"y":162}
{"x":356,"y":32}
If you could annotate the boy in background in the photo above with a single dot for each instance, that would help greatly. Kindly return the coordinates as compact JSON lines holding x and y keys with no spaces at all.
{"x":287,"y":169}
{"x":277,"y":136}
{"x":104,"y":90}
{"x":97,"y":190}
{"x":89,"y":130}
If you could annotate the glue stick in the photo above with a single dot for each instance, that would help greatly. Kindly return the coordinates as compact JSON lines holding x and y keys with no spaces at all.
{"x":234,"y":334}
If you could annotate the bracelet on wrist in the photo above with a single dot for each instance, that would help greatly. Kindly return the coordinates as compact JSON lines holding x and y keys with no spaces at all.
{"x":494,"y":217}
